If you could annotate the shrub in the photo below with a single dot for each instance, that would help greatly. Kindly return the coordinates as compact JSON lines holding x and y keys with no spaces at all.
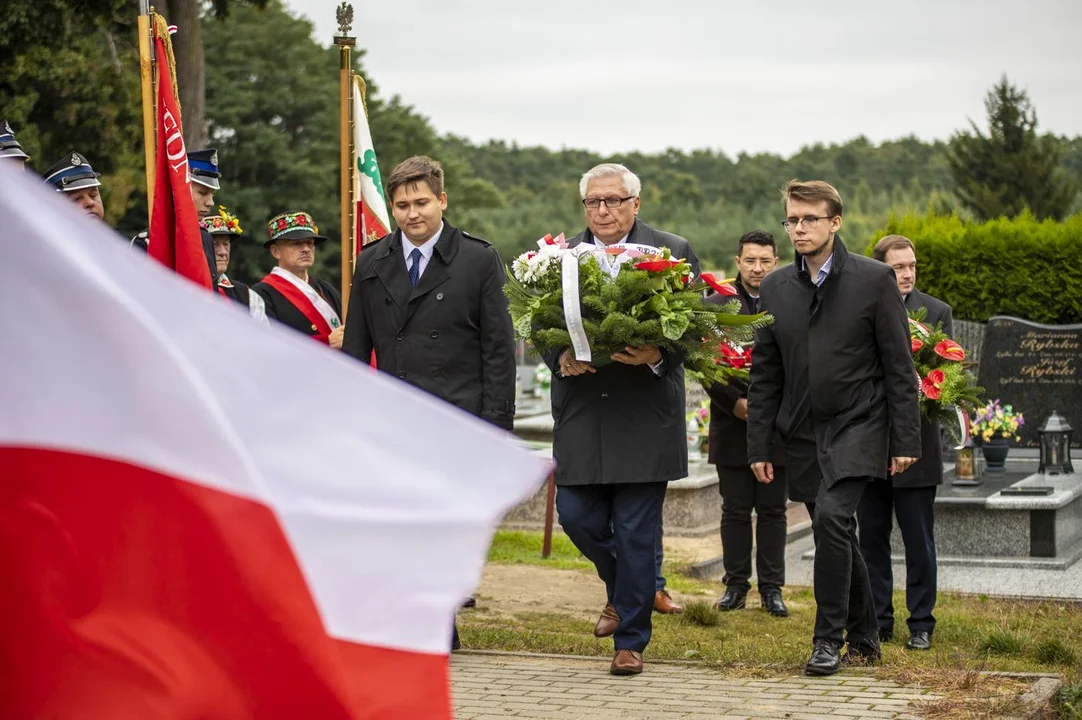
{"x":1019,"y":267}
{"x":1054,"y":651}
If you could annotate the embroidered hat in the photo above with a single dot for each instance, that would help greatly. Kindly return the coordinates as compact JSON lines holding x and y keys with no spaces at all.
{"x":72,"y":173}
{"x":204,"y":167}
{"x":223,"y":223}
{"x":292,"y":226}
{"x":9,"y":146}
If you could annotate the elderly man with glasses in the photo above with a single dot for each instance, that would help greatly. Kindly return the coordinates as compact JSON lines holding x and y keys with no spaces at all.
{"x":618,"y":436}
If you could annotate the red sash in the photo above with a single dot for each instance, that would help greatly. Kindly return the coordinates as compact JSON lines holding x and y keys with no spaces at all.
{"x":297,"y":299}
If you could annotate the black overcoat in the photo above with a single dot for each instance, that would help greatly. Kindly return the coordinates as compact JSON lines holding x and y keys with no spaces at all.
{"x":834,"y":374}
{"x":451,"y":335}
{"x":624,"y":423}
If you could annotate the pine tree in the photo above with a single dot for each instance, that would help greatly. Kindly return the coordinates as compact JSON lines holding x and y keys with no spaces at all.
{"x":1012,"y":168}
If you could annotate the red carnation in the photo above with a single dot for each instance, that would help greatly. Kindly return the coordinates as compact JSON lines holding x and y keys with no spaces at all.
{"x":302,"y":220}
{"x":916,"y":344}
{"x":282,"y":224}
{"x":950,"y":350}
{"x":932,"y":385}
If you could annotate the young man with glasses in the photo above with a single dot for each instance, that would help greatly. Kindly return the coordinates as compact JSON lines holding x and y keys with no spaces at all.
{"x":834,"y":377}
{"x":618,"y":436}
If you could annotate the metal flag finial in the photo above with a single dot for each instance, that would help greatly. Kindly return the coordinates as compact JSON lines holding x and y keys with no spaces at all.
{"x":345,"y":18}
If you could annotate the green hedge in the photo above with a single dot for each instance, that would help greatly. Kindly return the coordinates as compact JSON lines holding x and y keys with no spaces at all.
{"x":1019,"y":266}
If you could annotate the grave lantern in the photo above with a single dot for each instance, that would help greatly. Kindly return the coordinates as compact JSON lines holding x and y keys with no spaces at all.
{"x":965,"y":464}
{"x":1055,"y":439}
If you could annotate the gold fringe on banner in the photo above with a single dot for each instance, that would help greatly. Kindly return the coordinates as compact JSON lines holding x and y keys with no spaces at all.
{"x":161,"y":29}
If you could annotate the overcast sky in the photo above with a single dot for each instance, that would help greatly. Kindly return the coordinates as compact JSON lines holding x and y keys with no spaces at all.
{"x":766,"y":76}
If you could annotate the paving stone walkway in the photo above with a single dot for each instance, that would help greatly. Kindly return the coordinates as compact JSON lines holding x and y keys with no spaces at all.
{"x":488,"y":686}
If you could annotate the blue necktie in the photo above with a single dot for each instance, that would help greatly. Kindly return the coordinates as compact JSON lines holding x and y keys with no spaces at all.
{"x":415,"y":267}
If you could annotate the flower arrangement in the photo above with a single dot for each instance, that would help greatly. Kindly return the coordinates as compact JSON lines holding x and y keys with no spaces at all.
{"x":994,"y":418}
{"x":944,"y":382}
{"x":641,"y":297}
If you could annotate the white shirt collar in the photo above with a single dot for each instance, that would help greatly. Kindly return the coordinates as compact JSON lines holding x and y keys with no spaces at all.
{"x":426,"y":249}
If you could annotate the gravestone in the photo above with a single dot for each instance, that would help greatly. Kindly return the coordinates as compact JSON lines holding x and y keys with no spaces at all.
{"x":1036,"y":369}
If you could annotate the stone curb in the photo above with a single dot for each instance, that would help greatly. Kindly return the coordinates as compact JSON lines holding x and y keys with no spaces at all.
{"x":1040,"y":698}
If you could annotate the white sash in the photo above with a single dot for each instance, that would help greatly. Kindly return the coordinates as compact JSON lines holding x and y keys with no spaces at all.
{"x":257,"y":308}
{"x":320,"y":304}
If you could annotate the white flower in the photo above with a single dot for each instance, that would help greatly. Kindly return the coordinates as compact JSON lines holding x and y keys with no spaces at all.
{"x":530,"y":267}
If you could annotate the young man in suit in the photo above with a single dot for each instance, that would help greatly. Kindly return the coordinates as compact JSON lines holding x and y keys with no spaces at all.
{"x":835,"y":366}
{"x":428,"y":298}
{"x":741,"y":492}
{"x":910,"y":496}
{"x":292,"y":296}
{"x":619,"y":436}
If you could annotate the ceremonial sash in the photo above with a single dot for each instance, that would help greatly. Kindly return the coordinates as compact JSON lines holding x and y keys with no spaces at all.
{"x":304,"y":297}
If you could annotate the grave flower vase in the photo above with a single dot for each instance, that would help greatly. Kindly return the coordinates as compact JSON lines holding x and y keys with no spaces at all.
{"x":995,"y":453}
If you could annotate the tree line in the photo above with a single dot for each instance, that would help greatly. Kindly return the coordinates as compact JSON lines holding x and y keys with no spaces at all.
{"x":69,"y":80}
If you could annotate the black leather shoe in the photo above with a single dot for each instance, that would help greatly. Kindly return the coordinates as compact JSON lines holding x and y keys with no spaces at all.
{"x":863,"y":652}
{"x":920,"y":640}
{"x":469,"y":603}
{"x":885,"y":635}
{"x":732,"y":600}
{"x":774,"y":605}
{"x":826,"y":658}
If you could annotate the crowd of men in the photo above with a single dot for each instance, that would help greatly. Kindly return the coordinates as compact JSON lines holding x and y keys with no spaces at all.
{"x":829,"y":418}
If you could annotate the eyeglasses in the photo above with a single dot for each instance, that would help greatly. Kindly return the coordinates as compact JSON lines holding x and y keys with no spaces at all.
{"x":808,"y":222}
{"x":610,"y":202}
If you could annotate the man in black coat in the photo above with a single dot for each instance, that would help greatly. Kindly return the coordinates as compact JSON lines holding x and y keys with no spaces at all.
{"x":290,"y":294}
{"x":429,"y":300}
{"x":619,"y":435}
{"x":740,"y":491}
{"x":909,"y":495}
{"x":835,"y":365}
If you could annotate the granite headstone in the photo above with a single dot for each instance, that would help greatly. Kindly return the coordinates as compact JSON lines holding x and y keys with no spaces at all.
{"x":1036,"y":369}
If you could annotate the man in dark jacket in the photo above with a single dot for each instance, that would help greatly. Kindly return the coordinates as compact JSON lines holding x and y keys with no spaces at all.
{"x":835,"y":364}
{"x":428,"y":298}
{"x":618,"y":435}
{"x":290,"y":294}
{"x":741,"y":492}
{"x":909,"y":495}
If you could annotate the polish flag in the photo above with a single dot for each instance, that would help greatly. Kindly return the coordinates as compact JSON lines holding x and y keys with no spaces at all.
{"x":204,"y":517}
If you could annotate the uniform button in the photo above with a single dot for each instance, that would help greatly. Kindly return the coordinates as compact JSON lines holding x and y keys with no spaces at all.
{"x":435,"y":372}
{"x":435,"y":334}
{"x":402,"y":374}
{"x":604,"y":396}
{"x":439,"y":296}
{"x":400,"y":336}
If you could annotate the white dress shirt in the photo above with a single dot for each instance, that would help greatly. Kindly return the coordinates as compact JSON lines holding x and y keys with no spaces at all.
{"x":426,"y":250}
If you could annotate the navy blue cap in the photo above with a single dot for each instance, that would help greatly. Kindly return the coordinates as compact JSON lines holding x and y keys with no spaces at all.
{"x":72,"y":173}
{"x":204,"y":167}
{"x":9,"y":146}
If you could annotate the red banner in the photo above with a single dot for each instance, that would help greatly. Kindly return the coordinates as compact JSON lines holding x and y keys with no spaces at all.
{"x":174,"y":227}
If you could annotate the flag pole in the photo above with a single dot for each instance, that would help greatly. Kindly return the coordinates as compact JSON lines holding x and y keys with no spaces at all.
{"x":146,"y":73}
{"x":345,"y":43}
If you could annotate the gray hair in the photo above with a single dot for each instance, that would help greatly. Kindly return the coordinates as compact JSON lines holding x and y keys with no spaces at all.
{"x":632,"y":184}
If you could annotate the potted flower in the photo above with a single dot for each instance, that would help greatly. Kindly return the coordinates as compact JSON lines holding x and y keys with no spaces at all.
{"x":699,"y":429}
{"x":542,"y":380}
{"x":992,"y":428}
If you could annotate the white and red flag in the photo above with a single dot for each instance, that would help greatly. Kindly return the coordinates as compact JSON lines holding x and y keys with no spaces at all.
{"x":183,"y":535}
{"x":373,"y":222}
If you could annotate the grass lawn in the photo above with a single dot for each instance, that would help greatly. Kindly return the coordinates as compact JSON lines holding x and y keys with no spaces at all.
{"x":972,"y":632}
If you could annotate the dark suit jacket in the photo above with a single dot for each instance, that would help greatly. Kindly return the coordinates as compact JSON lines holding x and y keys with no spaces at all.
{"x":728,"y":433}
{"x":928,"y":470}
{"x":624,"y":423}
{"x":285,"y":312}
{"x":835,"y":366}
{"x":451,"y":335}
